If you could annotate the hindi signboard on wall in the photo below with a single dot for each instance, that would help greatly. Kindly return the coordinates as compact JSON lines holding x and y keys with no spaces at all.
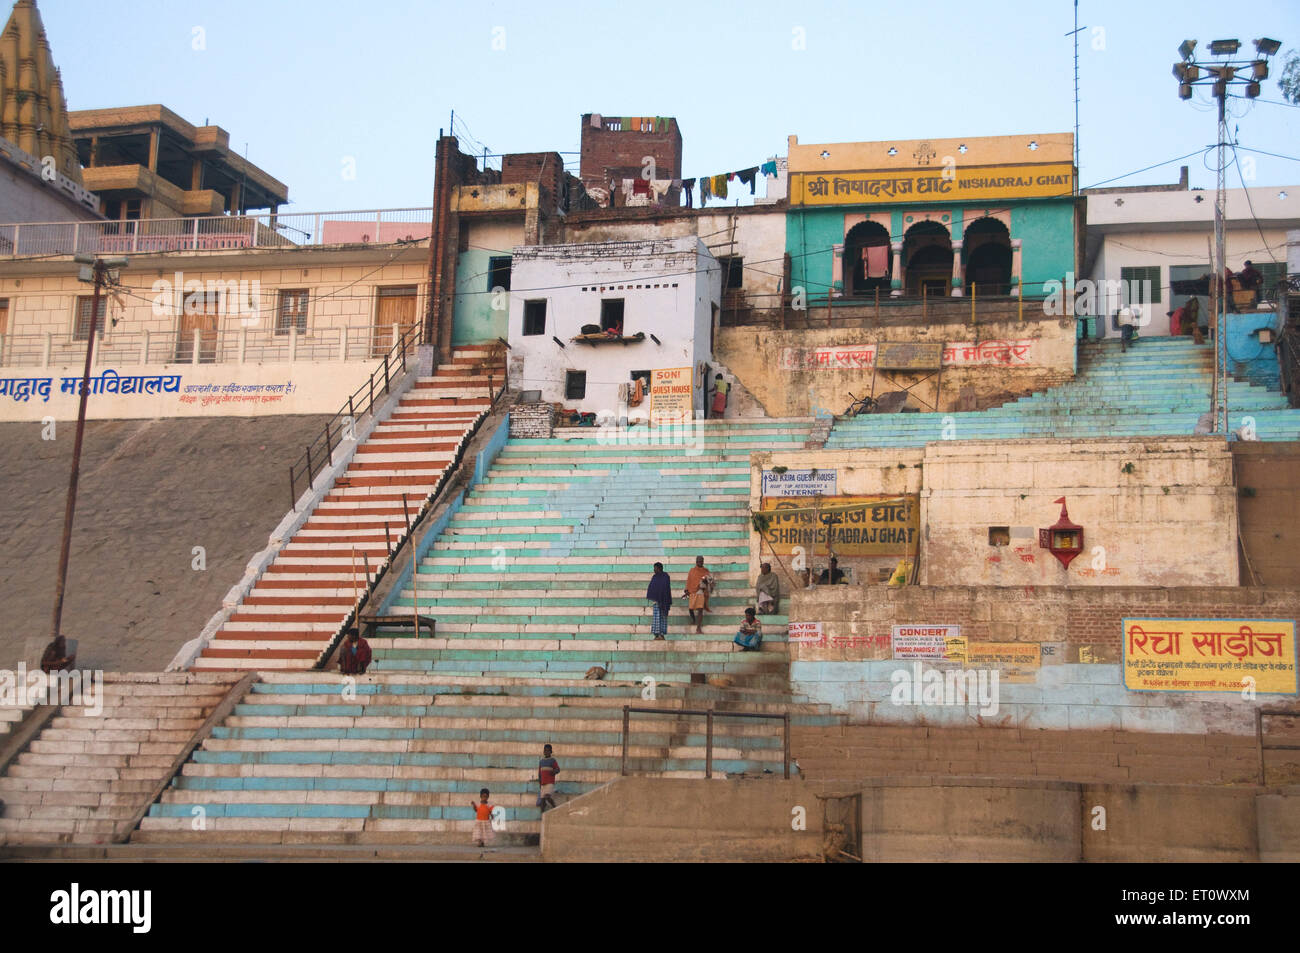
{"x":1040,"y":180}
{"x":858,"y":525}
{"x":1210,"y":655}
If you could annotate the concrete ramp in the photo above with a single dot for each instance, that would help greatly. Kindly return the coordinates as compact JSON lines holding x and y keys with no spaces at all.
{"x":150,"y":492}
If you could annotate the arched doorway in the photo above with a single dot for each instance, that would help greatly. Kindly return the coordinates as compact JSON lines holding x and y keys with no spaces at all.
{"x":868,"y":265}
{"x":927,"y":259}
{"x":986,"y":246}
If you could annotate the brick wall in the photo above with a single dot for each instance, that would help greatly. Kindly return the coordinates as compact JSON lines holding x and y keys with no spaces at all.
{"x":532,"y":420}
{"x":607,"y":148}
{"x":544,"y":168}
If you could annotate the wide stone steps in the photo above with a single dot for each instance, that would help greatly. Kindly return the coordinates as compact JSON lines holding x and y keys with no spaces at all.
{"x":87,"y":771}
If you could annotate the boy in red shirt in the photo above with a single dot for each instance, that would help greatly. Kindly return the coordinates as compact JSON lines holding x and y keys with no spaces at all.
{"x":547,"y":769}
{"x":483,"y":833}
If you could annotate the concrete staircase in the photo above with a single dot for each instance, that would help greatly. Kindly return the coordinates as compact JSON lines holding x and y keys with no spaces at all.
{"x":86,"y":773}
{"x":297,"y":605}
{"x":543,"y":571}
{"x":400,"y":760}
{"x":540,"y":576}
{"x":1160,"y":387}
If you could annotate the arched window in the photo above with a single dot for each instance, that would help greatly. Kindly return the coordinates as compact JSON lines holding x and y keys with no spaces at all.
{"x":868,"y":265}
{"x":927,"y":259}
{"x":986,"y":247}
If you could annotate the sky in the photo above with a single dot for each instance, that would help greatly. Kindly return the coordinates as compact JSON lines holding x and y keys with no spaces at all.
{"x":343,"y":102}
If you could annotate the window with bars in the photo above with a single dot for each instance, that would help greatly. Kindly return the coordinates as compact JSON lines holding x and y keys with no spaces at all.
{"x":1141,"y":284}
{"x":733,"y":272}
{"x":81,"y":327}
{"x":1273,"y":272}
{"x":292,"y":311}
{"x":575,"y":385}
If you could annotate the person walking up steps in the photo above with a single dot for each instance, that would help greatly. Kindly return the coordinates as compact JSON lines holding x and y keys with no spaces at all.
{"x":660,"y":594}
{"x":547,"y":769}
{"x":698,"y":585}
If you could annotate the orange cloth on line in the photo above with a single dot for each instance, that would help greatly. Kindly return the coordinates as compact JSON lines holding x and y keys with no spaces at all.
{"x":695,"y":577}
{"x":483,"y":812}
{"x":720,"y":186}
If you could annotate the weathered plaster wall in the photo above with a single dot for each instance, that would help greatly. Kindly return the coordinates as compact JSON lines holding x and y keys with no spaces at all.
{"x":756,"y":356}
{"x":1078,"y":633}
{"x":480,"y":314}
{"x":1154,"y":512}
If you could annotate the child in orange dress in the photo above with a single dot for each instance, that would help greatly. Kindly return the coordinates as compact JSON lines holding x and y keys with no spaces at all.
{"x":483,"y":833}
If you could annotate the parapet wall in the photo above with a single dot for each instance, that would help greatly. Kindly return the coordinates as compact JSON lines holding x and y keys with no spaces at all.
{"x":1068,"y":646}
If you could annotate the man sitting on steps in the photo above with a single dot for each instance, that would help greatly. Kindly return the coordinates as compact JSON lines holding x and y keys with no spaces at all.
{"x":354,"y":653}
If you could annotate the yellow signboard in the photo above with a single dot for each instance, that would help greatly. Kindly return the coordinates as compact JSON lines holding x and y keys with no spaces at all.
{"x":1043,"y":180}
{"x":1210,"y":655}
{"x":671,"y":394}
{"x":858,"y":525}
{"x":1015,"y":661}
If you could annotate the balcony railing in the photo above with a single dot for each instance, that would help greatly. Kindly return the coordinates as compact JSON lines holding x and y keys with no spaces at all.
{"x":199,"y":346}
{"x":215,"y":233}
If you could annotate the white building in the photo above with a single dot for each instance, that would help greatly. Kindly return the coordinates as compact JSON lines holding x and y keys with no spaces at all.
{"x":650,"y":304}
{"x":1165,"y":234}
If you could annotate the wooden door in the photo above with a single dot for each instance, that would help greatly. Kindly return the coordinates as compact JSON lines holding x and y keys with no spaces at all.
{"x":206,"y":325}
{"x":396,"y":309}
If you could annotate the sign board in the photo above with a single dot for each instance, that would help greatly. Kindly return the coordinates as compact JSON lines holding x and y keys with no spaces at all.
{"x":1015,"y":661}
{"x":1020,"y":352}
{"x":936,"y":643}
{"x":799,"y":483}
{"x":1210,"y":655}
{"x":857,"y":525}
{"x":909,"y":356}
{"x":808,"y":633}
{"x":672,"y":394}
{"x":962,"y":184}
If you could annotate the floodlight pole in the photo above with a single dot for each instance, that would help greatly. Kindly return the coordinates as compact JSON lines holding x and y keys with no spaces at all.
{"x":99,"y":267}
{"x":1220,"y":273}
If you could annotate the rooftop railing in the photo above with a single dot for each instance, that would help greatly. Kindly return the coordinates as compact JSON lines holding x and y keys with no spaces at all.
{"x":215,"y":233}
{"x":237,"y":345}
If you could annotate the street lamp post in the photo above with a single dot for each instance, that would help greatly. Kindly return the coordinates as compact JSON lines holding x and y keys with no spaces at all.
{"x":1220,"y":76}
{"x":94,"y":269}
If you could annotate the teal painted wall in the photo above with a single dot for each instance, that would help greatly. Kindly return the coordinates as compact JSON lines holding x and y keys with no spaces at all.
{"x":474,"y":321}
{"x":1046,"y":231}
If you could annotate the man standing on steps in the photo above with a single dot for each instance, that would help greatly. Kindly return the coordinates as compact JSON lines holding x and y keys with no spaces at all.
{"x":660,"y":594}
{"x":720,"y":389}
{"x":698,"y":584}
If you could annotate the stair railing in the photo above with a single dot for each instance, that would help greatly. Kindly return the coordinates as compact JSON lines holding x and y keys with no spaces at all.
{"x":319,"y":454}
{"x":709,"y":714}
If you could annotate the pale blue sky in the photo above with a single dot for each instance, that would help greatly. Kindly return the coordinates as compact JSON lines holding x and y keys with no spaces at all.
{"x":308,"y":85}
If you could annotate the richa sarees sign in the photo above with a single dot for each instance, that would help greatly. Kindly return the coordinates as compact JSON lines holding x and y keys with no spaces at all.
{"x":1210,"y":655}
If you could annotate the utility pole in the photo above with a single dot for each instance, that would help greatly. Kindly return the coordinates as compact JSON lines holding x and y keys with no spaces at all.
{"x":94,"y":269}
{"x":1220,"y":76}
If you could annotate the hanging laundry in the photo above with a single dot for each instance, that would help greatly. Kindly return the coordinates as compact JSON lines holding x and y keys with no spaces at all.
{"x":719,"y":186}
{"x":640,"y":186}
{"x":599,"y":196}
{"x":688,"y":186}
{"x":876,"y":260}
{"x":768,"y":167}
{"x":748,"y":176}
{"x":659,"y":188}
{"x":706,"y":189}
{"x":596,"y":121}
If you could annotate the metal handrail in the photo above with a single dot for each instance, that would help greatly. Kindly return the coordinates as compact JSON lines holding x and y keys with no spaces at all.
{"x":216,"y":232}
{"x":709,"y":714}
{"x":360,"y":404}
{"x":231,"y":345}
